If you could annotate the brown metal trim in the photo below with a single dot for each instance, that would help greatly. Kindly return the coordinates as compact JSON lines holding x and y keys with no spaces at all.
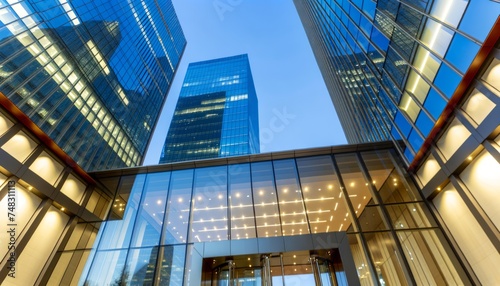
{"x":459,"y":93}
{"x":44,"y":138}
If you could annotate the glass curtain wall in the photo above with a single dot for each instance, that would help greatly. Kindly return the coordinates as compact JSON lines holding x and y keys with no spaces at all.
{"x":392,"y":235}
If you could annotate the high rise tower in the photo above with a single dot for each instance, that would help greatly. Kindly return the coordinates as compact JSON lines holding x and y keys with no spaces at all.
{"x":424,"y":74}
{"x":217,"y":112}
{"x":97,"y":71}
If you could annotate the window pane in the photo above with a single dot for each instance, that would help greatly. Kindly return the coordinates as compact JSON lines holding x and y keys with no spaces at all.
{"x":172,"y":265}
{"x":431,"y":262}
{"x":354,"y":182}
{"x":108,"y":268}
{"x":179,"y":202}
{"x":140,"y":267}
{"x":209,"y":205}
{"x":410,"y":216}
{"x":117,"y":233}
{"x":461,"y":52}
{"x":151,"y":211}
{"x":265,"y":201}
{"x":321,"y":191}
{"x":293,"y":217}
{"x":385,"y":258}
{"x":241,"y":202}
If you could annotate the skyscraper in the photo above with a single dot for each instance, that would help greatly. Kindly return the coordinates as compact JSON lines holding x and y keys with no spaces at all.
{"x":98,"y":71}
{"x":216,"y":114}
{"x":424,"y":74}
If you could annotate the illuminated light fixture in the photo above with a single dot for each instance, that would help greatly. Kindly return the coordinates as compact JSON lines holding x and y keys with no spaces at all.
{"x":439,"y":188}
{"x":285,"y":191}
{"x":352,"y":184}
{"x":330,"y":187}
{"x":180,"y":200}
{"x":336,"y":205}
{"x":158,"y":202}
{"x":62,"y":208}
{"x":469,"y":158}
{"x":237,"y":195}
{"x":261,"y":192}
{"x":220,"y":197}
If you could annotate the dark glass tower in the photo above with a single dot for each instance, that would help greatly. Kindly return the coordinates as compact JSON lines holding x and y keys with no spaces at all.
{"x":217,"y":112}
{"x":391,"y":67}
{"x":91,"y":75}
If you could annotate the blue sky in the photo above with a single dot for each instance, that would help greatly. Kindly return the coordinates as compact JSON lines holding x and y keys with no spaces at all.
{"x":295,"y":110}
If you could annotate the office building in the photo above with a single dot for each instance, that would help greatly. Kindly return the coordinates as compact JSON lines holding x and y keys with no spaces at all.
{"x":216,"y":114}
{"x":334,"y":212}
{"x":425,"y":75}
{"x":91,"y":75}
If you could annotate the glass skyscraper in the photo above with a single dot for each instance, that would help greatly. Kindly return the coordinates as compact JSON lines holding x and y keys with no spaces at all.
{"x":91,"y":75}
{"x":216,"y":114}
{"x":424,"y":74}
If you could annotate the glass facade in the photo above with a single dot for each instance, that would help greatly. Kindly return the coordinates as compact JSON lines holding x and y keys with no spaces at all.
{"x":392,"y":66}
{"x":217,"y":112}
{"x":424,"y":74}
{"x":165,"y":222}
{"x":97,"y":70}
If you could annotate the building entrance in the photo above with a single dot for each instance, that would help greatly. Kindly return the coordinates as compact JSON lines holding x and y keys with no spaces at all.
{"x":283,"y":269}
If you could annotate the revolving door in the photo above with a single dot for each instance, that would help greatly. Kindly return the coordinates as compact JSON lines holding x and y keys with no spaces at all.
{"x":274,"y":269}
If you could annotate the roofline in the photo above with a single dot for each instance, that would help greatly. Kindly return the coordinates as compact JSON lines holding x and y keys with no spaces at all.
{"x":245,"y":159}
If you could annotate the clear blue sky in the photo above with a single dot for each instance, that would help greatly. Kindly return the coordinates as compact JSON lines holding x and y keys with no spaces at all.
{"x":295,"y":110}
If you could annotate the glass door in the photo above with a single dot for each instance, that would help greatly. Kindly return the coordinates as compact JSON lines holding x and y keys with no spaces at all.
{"x":223,"y":275}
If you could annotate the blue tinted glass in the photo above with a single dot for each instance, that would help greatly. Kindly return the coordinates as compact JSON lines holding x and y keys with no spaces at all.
{"x":409,"y":156}
{"x":415,"y":140}
{"x":140,"y":265}
{"x":369,"y":8}
{"x":379,"y":39}
{"x":172,"y":265}
{"x":395,"y":133}
{"x":424,"y":123}
{"x":147,"y":229}
{"x":402,"y":124}
{"x":461,"y":52}
{"x":117,"y":233}
{"x":479,"y":18}
{"x":434,"y":103}
{"x":365,"y":25}
{"x":447,"y":80}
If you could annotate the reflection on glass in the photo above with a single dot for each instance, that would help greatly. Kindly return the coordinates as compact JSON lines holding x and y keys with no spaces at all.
{"x":392,"y":188}
{"x":431,"y":262}
{"x":326,"y":208}
{"x":293,"y":217}
{"x":117,"y":233}
{"x":241,"y":202}
{"x":354,"y":182}
{"x":265,"y":202}
{"x":410,"y":216}
{"x":151,"y":212}
{"x":172,"y":265}
{"x":371,"y":219}
{"x":364,"y":273}
{"x":209,"y":205}
{"x":140,"y":267}
{"x":179,"y":202}
{"x":108,"y":268}
{"x":387,"y":264}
